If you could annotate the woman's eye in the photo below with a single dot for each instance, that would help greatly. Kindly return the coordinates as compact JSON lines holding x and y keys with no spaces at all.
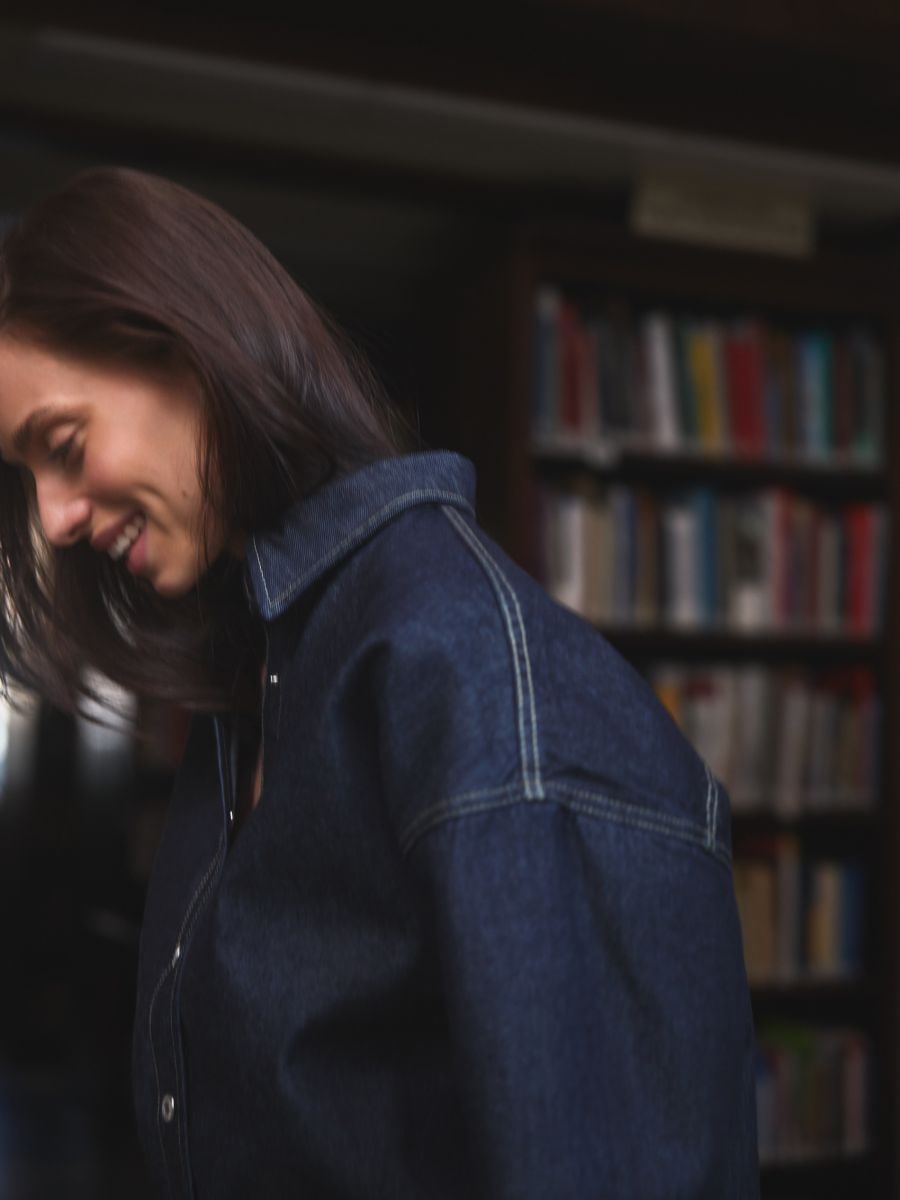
{"x":62,"y":453}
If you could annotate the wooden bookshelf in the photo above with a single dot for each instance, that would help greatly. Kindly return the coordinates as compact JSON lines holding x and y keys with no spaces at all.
{"x":824,"y":999}
{"x":829,"y":1176}
{"x":593,"y":264}
{"x":685,"y":466}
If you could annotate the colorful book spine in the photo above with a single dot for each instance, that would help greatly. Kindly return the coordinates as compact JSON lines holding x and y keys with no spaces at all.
{"x":783,"y":741}
{"x":801,"y":920}
{"x":813,"y":1092}
{"x":665,"y":381}
{"x":757,"y":561}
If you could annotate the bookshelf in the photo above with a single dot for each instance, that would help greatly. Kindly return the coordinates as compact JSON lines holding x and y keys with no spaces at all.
{"x":782,"y":671}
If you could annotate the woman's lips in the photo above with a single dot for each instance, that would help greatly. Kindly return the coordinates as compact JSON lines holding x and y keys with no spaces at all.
{"x":137,"y":555}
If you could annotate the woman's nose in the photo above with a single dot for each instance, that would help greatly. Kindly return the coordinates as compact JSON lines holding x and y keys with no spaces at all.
{"x":65,"y":514}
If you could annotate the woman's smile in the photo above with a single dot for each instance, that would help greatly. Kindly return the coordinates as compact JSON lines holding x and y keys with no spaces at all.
{"x":129,"y":532}
{"x":114,"y":454}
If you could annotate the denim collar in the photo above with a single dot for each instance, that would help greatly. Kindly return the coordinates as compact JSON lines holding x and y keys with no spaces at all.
{"x":314,"y":534}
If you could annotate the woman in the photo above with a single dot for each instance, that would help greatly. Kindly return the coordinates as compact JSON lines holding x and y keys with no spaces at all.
{"x":443,"y":906}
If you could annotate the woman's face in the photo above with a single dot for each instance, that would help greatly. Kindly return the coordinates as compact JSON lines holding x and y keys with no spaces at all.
{"x":114,"y":455}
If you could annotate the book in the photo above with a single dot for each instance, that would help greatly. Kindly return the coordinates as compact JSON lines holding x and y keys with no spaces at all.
{"x":661,"y":378}
{"x":749,"y":782}
{"x":824,"y":919}
{"x":790,"y":914}
{"x":617,"y":360}
{"x":869,"y":375}
{"x":704,"y":348}
{"x":682,"y":601}
{"x":812,"y":1090}
{"x":781,"y":392}
{"x":754,"y":886}
{"x":859,"y":605}
{"x":793,"y":742}
{"x":748,"y":599}
{"x":743,"y":351}
{"x":597,"y":601}
{"x":759,"y":561}
{"x":647,"y":535}
{"x":814,"y":375}
{"x":565,"y":550}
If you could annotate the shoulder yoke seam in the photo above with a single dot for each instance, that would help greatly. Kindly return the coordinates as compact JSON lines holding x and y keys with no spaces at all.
{"x":580,"y":800}
{"x":511,"y":612}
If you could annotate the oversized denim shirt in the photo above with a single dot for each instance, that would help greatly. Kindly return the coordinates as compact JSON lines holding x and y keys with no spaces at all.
{"x":479,"y":936}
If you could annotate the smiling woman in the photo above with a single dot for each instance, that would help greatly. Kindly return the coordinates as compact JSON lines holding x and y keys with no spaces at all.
{"x":165,"y":387}
{"x":114,"y":458}
{"x":443,"y":906}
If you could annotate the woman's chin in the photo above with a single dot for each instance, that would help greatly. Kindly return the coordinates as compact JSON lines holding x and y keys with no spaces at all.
{"x":171,"y":586}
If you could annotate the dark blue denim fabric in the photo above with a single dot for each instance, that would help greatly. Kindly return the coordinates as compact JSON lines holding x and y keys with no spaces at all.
{"x":479,"y":939}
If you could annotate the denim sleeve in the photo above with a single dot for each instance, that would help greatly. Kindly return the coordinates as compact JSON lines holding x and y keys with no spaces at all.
{"x":598,"y":1007}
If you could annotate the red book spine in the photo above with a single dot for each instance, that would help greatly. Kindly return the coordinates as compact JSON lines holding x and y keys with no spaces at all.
{"x":779,"y":551}
{"x":859,"y":524}
{"x":735,"y":381}
{"x":815,"y":550}
{"x":744,"y":373}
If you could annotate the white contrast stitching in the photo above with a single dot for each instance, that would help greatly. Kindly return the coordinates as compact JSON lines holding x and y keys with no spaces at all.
{"x":664,"y":820}
{"x":523,"y":745}
{"x":715,"y":813}
{"x":511,"y":590}
{"x":709,"y":794}
{"x":533,"y":786}
{"x":262,"y":574}
{"x":579,"y":799}
{"x":677,"y":825}
{"x":515,"y":600}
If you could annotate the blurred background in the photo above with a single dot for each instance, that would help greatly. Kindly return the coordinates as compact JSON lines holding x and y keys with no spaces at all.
{"x":639,"y":261}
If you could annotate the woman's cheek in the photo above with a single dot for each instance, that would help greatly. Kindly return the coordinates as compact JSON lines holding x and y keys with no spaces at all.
{"x":102,"y":471}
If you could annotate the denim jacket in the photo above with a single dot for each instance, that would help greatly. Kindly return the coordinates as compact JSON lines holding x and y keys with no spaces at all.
{"x":479,"y":937}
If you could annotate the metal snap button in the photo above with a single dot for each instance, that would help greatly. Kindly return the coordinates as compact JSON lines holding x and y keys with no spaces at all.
{"x":167,"y":1107}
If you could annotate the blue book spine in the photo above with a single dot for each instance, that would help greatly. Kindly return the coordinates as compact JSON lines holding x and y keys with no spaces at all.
{"x":813,"y":377}
{"x":824,"y":352}
{"x":704,"y":503}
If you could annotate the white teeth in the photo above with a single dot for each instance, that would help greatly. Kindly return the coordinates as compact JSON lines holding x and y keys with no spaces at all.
{"x":127,"y":537}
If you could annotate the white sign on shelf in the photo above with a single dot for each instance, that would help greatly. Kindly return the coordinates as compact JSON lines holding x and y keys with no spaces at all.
{"x":723,"y":212}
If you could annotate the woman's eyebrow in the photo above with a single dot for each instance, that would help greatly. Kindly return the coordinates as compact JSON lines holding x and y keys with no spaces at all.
{"x":23,"y":436}
{"x":43,"y":415}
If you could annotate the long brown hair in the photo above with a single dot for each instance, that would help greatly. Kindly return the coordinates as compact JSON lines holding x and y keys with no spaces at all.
{"x":118,"y":266}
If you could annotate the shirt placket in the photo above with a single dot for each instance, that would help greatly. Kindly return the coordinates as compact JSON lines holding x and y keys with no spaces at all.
{"x":163,"y":1016}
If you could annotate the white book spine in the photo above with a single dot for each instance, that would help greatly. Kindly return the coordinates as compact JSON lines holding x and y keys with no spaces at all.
{"x":682,"y":568}
{"x":661,"y":378}
{"x":568,"y":576}
{"x":792,"y":748}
